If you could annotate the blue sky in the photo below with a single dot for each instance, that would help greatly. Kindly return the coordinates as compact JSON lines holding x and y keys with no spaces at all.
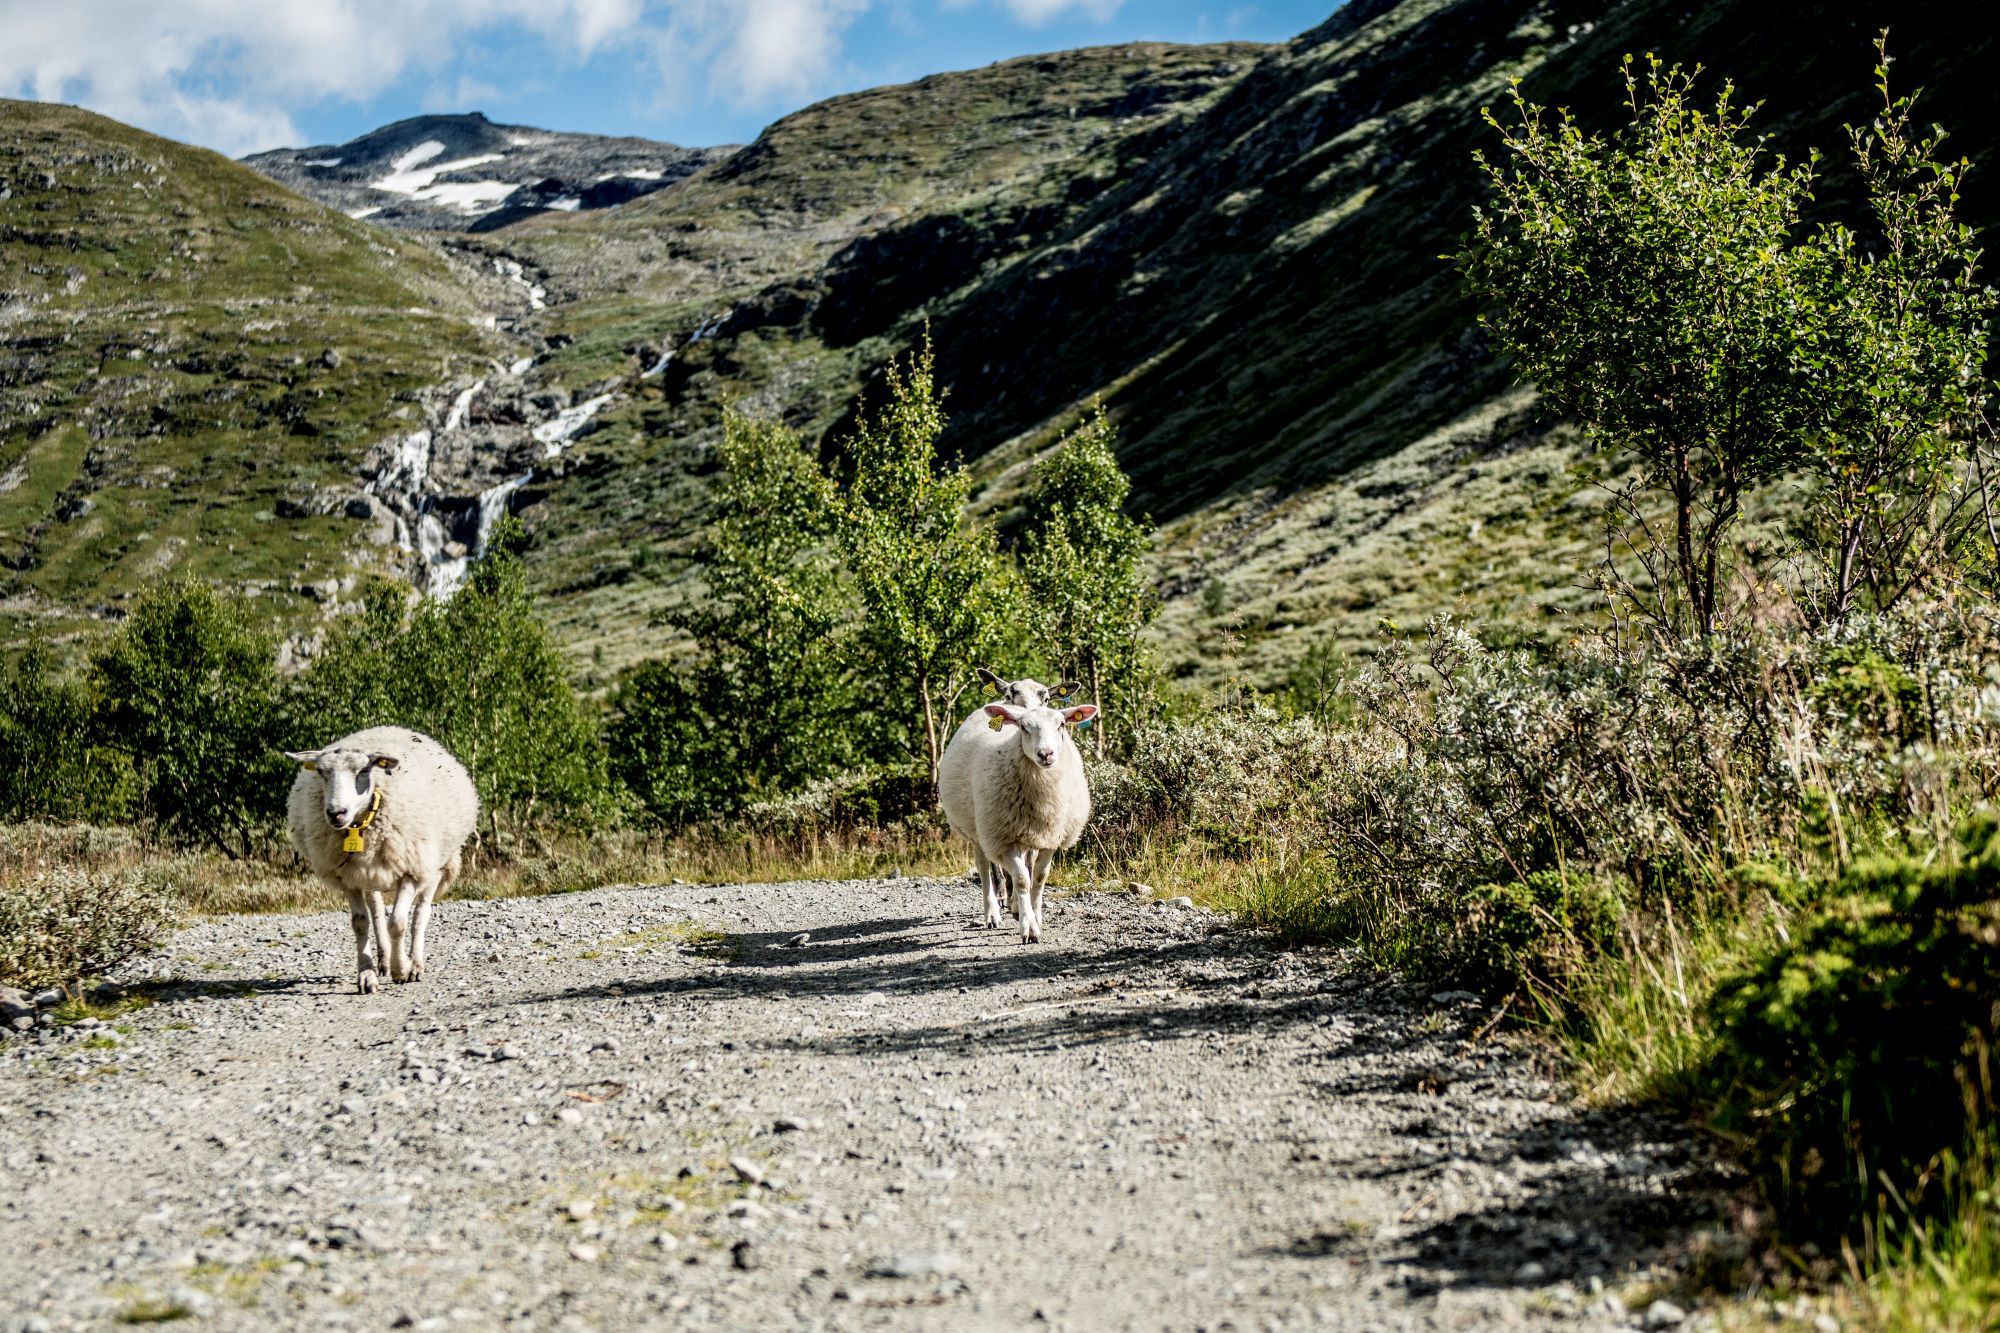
{"x":241,"y":75}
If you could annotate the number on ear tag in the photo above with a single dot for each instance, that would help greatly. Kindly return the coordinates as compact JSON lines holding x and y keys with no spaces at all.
{"x":352,"y":842}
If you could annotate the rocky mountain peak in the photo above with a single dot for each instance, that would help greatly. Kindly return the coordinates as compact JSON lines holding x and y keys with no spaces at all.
{"x":466,"y":173}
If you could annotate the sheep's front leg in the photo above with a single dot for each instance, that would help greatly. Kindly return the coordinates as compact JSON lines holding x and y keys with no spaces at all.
{"x":423,"y":926}
{"x":989,"y":888}
{"x":1019,"y":866}
{"x":361,"y":918}
{"x":1044,"y":862}
{"x":399,"y":930}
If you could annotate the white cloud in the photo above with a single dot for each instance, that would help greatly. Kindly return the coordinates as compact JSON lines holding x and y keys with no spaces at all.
{"x":229,"y":73}
{"x":1035,"y":13}
{"x":752,"y":50}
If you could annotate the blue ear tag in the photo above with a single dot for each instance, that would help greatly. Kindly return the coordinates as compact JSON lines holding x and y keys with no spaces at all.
{"x":1086,"y":724}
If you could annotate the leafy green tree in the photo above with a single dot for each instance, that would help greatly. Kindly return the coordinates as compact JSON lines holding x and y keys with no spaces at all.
{"x":53,"y":765}
{"x":764,"y":703}
{"x":1648,"y":284}
{"x":1893,"y":347}
{"x":481,"y":673}
{"x":1083,"y":557}
{"x":189,"y":690}
{"x":936,"y":596}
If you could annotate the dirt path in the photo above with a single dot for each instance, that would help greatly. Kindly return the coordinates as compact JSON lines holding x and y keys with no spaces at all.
{"x":1141,"y":1123}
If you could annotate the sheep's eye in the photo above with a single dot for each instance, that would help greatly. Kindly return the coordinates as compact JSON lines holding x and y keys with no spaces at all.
{"x":361,"y":780}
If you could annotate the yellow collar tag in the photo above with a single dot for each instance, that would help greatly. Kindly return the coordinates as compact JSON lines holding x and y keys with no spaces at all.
{"x":352,"y":842}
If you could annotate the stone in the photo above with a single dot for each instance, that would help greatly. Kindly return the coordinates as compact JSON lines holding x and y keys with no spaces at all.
{"x":1183,"y":902}
{"x":747,"y":1171}
{"x":1530,"y":1273}
{"x":330,"y":358}
{"x":799,"y":941}
{"x":1454,"y":997}
{"x":584,"y":1252}
{"x":507,"y":1051}
{"x":915,"y":1266}
{"x":359,"y":507}
{"x":790,"y":1124}
{"x":606,"y":1044}
{"x":42,"y":999}
{"x":744,"y":1255}
{"x":1664,"y":1314}
{"x":15,"y":1004}
{"x":580,"y":1208}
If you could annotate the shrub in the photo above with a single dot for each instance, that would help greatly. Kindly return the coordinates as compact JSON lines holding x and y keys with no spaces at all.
{"x":64,"y":923}
{"x":189,"y":690}
{"x":481,"y":673}
{"x":52,"y":764}
{"x":1839,"y":1057}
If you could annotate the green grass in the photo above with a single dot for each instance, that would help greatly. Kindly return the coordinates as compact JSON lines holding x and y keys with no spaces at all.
{"x":170,"y":312}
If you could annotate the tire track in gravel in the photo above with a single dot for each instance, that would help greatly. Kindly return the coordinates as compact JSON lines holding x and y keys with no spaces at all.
{"x":1145,"y":1122}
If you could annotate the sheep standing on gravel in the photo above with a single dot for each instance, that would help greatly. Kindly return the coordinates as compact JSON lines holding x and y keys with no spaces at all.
{"x":1026,"y":692}
{"x":379,"y":814}
{"x":1013,"y":786}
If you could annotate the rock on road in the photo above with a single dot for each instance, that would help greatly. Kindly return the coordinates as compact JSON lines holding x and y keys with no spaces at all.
{"x":650,"y":1108}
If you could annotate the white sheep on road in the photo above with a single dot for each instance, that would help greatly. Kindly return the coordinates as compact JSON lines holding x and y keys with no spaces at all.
{"x":1012,"y":784}
{"x":383,"y":815}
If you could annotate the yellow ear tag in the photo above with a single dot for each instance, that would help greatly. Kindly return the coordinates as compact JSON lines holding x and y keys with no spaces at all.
{"x":993,"y":689}
{"x":352,"y":842}
{"x":996,"y":724}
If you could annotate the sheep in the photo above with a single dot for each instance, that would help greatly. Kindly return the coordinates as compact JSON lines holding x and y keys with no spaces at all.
{"x":1018,"y":799}
{"x":385,"y":811}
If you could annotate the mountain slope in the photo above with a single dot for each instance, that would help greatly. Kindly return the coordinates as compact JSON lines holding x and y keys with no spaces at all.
{"x":1240,"y":250}
{"x":1237,"y":247}
{"x":465,"y":173}
{"x":192,"y":360}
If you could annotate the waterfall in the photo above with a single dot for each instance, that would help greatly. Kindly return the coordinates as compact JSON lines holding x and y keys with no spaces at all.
{"x":706,"y":329}
{"x":447,"y":531}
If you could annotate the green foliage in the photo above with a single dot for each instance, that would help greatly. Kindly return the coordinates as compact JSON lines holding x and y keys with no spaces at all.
{"x":1840,"y":1057}
{"x":1647,"y":284}
{"x":936,"y":597}
{"x":1655,"y":285}
{"x":1893,"y":346}
{"x":189,"y":691}
{"x":480,"y":672}
{"x":1082,"y":560}
{"x":68,"y":922}
{"x":764,"y":705}
{"x":52,"y":765}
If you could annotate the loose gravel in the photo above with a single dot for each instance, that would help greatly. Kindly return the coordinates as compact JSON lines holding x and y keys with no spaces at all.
{"x":811,"y":1106}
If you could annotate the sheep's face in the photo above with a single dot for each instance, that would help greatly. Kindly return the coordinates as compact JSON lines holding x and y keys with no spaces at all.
{"x":1040,"y":732}
{"x":1025,"y":692}
{"x":348,"y":781}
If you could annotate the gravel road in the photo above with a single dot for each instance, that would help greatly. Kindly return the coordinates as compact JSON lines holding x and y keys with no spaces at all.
{"x":647,"y":1108}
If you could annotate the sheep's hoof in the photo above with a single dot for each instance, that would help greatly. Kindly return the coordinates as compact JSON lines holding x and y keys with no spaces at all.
{"x":366,"y":983}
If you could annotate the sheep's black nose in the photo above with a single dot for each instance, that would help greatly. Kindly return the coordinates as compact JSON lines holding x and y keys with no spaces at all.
{"x":1046,"y":756}
{"x":336,"y":815}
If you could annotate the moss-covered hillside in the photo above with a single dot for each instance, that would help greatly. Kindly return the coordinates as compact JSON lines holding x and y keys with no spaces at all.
{"x":188,"y":354}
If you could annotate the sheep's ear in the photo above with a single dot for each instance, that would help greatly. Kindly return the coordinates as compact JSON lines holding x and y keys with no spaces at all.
{"x":1081,"y":713}
{"x":1001,"y":715}
{"x":994,"y":685}
{"x":386,"y":762}
{"x":306,"y":759}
